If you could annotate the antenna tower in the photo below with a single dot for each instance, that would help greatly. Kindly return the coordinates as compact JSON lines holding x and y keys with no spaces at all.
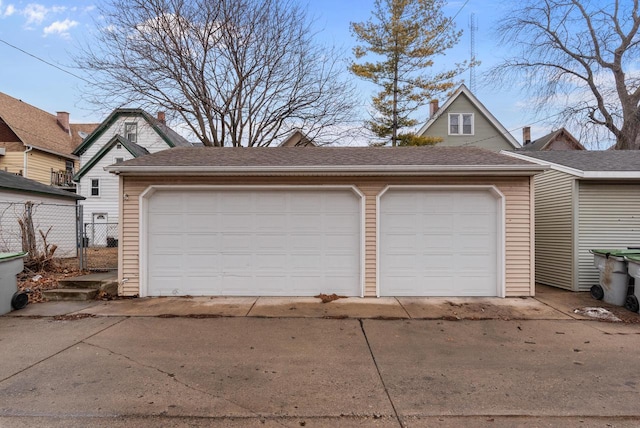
{"x":473,"y":27}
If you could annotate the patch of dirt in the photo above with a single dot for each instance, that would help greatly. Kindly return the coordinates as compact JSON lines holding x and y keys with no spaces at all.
{"x":37,"y":282}
{"x":102,"y":257}
{"x":72,"y":317}
{"x":326,"y":298}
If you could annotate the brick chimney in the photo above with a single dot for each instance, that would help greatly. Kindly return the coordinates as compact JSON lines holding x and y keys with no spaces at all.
{"x":161,"y":118}
{"x":62,"y":117}
{"x":526,"y":135}
{"x":433,"y":107}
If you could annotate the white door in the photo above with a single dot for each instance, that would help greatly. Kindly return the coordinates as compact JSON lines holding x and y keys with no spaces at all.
{"x":98,"y":231}
{"x":253,"y":242}
{"x":439,"y":242}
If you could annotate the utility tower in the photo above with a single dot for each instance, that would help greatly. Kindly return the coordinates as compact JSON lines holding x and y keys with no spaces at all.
{"x":473,"y":27}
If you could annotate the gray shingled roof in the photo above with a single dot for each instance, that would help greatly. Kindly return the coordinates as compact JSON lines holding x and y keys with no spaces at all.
{"x":210,"y":158}
{"x":20,"y":184}
{"x":586,"y":160}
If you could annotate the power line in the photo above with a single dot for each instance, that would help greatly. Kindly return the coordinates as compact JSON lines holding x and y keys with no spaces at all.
{"x":44,"y":61}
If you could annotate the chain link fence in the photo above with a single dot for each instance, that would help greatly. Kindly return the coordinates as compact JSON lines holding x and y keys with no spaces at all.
{"x":100,"y":246}
{"x":48,"y":228}
{"x":58,"y":231}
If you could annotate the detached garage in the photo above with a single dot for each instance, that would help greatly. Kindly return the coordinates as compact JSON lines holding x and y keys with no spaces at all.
{"x":586,"y":200}
{"x":351,"y":221}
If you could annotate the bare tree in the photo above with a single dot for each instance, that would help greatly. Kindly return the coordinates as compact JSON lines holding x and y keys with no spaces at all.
{"x":579,"y":54}
{"x":236,"y":72}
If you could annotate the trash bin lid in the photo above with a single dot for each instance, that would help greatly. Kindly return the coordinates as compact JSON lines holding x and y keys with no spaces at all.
{"x":633,"y":257}
{"x":616,"y":253}
{"x":9,"y":256}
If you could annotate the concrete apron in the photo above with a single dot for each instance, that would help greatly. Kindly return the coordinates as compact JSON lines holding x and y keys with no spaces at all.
{"x":306,"y":307}
{"x":549,"y":304}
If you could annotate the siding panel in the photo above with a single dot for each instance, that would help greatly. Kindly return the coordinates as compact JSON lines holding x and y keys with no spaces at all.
{"x":554,"y":229}
{"x":609,"y":218}
{"x":518,"y":237}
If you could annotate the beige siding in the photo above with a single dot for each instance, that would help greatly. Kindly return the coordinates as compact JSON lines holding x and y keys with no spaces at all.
{"x":609,"y":218}
{"x":518,"y":236}
{"x":554,"y":229}
{"x":40,"y":164}
{"x":12,"y":162}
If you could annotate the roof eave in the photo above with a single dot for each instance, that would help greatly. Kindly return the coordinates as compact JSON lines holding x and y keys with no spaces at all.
{"x":376,"y":170}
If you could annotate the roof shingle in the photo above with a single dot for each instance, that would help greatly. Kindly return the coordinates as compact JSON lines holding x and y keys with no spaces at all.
{"x":322,"y":156}
{"x":12,"y":182}
{"x":38,"y":128}
{"x":588,"y":160}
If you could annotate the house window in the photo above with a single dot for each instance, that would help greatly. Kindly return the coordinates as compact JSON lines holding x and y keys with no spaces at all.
{"x":118,"y":160}
{"x":131,"y":132}
{"x":95,"y":187}
{"x":460,"y":123}
{"x":68,"y":166}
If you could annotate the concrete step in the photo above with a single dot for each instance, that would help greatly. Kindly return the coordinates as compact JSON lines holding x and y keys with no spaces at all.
{"x":70,"y":294}
{"x":95,"y":280}
{"x":75,"y":283}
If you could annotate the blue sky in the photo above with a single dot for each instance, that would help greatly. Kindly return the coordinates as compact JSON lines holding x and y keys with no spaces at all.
{"x":51,"y":30}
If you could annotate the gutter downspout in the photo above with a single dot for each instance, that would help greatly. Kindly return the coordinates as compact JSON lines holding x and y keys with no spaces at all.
{"x":25,"y":163}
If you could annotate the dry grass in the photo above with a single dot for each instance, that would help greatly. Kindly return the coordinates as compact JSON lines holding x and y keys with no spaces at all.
{"x":99,"y":258}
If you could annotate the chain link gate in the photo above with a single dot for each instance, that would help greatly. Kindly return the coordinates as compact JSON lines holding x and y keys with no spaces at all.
{"x":99,"y":245}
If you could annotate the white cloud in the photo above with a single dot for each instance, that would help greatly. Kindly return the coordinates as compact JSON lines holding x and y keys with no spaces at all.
{"x":9,"y":10}
{"x":60,"y":27}
{"x":35,"y":13}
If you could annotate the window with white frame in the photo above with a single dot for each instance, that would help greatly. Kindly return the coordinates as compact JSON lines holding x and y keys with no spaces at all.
{"x":131,"y":132}
{"x":460,"y":123}
{"x":118,"y":159}
{"x":95,"y":187}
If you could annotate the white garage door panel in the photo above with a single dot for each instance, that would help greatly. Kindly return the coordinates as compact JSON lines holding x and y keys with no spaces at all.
{"x":253,"y":242}
{"x":438,"y":242}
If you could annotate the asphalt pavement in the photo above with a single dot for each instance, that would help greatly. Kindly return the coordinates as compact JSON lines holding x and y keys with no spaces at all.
{"x":78,"y":368}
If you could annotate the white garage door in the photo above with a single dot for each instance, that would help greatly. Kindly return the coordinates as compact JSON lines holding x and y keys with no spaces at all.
{"x":438,"y":242}
{"x":253,"y":242}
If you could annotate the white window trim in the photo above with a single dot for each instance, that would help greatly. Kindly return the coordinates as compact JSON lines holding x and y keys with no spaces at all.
{"x":115,"y":159}
{"x":126,"y":134}
{"x":460,"y":124}
{"x":91,"y":195}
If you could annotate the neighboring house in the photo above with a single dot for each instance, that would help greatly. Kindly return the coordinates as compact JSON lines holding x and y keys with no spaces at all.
{"x":53,"y":212}
{"x":356,"y":221}
{"x":464,"y":121}
{"x":125,"y":134}
{"x":297,"y":139}
{"x":587,"y":200}
{"x":37,"y":144}
{"x":556,"y":140}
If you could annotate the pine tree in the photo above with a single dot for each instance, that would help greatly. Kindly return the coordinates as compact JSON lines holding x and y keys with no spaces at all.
{"x":404,"y":36}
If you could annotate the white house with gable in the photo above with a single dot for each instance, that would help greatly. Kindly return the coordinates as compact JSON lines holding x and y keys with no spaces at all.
{"x":125,"y":134}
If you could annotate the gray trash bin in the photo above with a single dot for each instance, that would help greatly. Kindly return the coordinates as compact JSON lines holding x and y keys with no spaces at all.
{"x":633,"y":267}
{"x":614,"y":278}
{"x":10,"y":266}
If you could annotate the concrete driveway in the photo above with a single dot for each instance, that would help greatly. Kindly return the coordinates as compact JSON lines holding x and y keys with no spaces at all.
{"x":83,"y":370}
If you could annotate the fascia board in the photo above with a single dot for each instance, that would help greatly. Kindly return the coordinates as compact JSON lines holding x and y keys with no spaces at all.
{"x":341,"y":171}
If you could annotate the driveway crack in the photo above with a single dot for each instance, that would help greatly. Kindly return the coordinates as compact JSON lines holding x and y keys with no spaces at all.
{"x":175,"y":378}
{"x":384,"y":385}
{"x":61,"y":351}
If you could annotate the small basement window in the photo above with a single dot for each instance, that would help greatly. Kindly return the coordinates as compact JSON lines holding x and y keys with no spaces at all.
{"x":95,"y":187}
